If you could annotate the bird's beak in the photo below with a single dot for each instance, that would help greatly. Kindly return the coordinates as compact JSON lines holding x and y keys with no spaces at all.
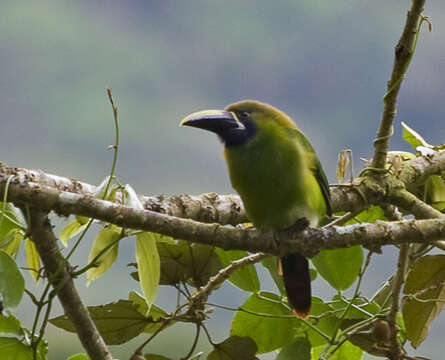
{"x":216,"y":121}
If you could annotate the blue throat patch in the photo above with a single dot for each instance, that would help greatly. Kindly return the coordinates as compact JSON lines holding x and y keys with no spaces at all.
{"x":238,"y":137}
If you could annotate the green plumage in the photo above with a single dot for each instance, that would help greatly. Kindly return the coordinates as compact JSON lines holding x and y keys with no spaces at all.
{"x":277,"y":174}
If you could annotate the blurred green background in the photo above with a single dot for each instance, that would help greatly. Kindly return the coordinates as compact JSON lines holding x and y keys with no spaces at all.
{"x":325,"y":63}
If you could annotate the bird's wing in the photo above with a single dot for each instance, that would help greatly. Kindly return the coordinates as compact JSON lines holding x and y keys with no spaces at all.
{"x":315,"y":167}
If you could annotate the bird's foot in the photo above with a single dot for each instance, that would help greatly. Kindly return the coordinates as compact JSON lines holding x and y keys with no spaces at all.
{"x":282,"y":236}
{"x":300,"y":225}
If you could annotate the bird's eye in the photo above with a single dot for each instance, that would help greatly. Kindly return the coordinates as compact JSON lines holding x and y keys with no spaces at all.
{"x":244,"y":114}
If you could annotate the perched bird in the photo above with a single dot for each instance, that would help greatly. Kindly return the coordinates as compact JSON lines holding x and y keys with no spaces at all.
{"x":278,"y":176}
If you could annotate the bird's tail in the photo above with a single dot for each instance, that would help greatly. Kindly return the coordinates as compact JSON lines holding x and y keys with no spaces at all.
{"x":297,"y":282}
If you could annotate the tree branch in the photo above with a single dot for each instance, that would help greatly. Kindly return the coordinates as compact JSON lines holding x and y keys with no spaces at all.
{"x":211,"y":207}
{"x":415,"y":172}
{"x":228,"y":209}
{"x":224,"y":274}
{"x":228,"y":237}
{"x":395,"y":351}
{"x":413,"y":205}
{"x":403,"y":54}
{"x":58,"y":275}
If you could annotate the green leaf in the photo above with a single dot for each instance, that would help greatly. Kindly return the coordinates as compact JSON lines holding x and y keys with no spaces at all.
{"x":271,"y":264}
{"x":372,"y":337}
{"x":298,"y":349}
{"x":413,"y":138}
{"x":108,"y":237}
{"x":426,"y":272}
{"x":234,"y":348}
{"x":326,"y":323}
{"x":435,"y":192}
{"x":149,"y":266}
{"x":117,"y":322}
{"x":369,"y":215}
{"x":32,"y":258}
{"x":186,"y":262}
{"x":9,"y":324}
{"x":269,"y":322}
{"x":245,"y":278}
{"x":15,"y":349}
{"x":347,"y":351}
{"x":360,"y":308}
{"x":10,"y":218}
{"x":72,"y":229}
{"x":154,"y":315}
{"x":12,"y":284}
{"x":339,"y":267}
{"x":11,"y":246}
{"x":79,"y":357}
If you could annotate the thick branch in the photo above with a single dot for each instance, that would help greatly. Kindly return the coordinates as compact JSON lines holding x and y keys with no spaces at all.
{"x":60,"y":278}
{"x":228,"y":209}
{"x":415,"y":172}
{"x":403,"y":53}
{"x":228,"y":237}
{"x":413,"y":205}
{"x":211,"y":207}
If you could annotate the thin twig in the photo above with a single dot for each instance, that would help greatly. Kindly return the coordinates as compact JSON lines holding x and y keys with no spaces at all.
{"x":195,"y":342}
{"x":403,"y":54}
{"x":224,"y":274}
{"x":395,"y":352}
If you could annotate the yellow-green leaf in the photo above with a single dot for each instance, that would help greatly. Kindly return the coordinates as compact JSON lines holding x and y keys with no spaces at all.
{"x":339,"y":267}
{"x":413,"y":138}
{"x":80,"y":356}
{"x":16,"y":349}
{"x":266,"y":320}
{"x":347,"y":351}
{"x":427,"y":272}
{"x":71,"y":230}
{"x":32,"y":258}
{"x":9,"y":324}
{"x":12,"y":284}
{"x":246,"y":277}
{"x":10,"y":218}
{"x":234,"y":348}
{"x":149,"y":266}
{"x":435,"y":192}
{"x":12,"y":244}
{"x":108,"y":238}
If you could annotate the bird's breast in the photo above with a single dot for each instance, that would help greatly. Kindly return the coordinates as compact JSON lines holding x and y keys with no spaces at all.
{"x":274,"y":183}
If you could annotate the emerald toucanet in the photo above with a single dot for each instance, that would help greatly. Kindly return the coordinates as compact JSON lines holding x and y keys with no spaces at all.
{"x":277,"y":174}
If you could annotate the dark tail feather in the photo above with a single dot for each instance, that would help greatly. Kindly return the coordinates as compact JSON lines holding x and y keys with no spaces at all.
{"x":297,"y":281}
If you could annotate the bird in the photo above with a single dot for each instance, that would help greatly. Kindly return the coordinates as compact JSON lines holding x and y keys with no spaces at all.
{"x":278,"y":176}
